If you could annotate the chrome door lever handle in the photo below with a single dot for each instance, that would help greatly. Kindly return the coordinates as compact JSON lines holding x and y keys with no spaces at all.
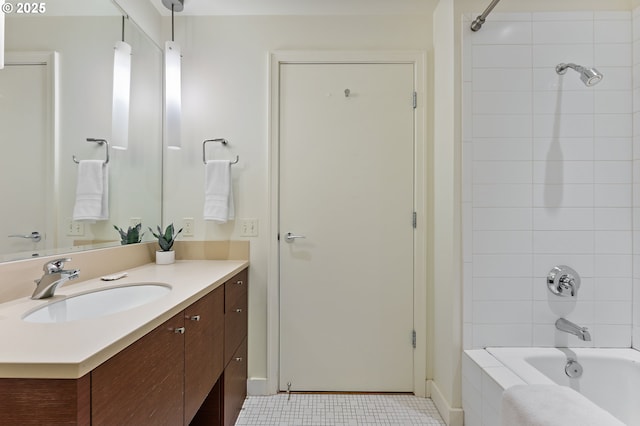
{"x":291,"y":238}
{"x":34,"y":236}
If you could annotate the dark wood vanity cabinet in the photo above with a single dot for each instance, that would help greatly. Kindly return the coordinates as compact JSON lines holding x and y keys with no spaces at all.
{"x":36,"y":402}
{"x":142,"y":385}
{"x":179,"y":373}
{"x":235,"y":314}
{"x":204,"y":350}
{"x":235,"y":385}
{"x":235,"y":347}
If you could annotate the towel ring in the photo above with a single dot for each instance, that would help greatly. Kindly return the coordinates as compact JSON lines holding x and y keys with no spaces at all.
{"x":99,"y":142}
{"x":223,"y":142}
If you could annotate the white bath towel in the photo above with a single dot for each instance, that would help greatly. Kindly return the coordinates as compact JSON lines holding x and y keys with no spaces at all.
{"x":92,"y":191}
{"x":218,"y":191}
{"x":551,"y":405}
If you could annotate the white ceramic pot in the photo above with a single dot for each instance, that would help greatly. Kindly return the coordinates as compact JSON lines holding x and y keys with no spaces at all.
{"x":165,"y":257}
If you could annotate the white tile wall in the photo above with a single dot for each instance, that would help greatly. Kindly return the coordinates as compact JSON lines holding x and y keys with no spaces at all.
{"x":550,"y":179}
{"x":483,"y":381}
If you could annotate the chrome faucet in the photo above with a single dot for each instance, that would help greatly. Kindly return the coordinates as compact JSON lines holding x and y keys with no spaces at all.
{"x":571,"y":328}
{"x":53,"y":276}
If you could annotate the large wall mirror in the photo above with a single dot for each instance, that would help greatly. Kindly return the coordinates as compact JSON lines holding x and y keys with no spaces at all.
{"x":55,"y":92}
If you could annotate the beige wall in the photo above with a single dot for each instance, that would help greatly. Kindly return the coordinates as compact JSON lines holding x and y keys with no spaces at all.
{"x":225,"y":94}
{"x":145,"y":16}
{"x":447,"y":253}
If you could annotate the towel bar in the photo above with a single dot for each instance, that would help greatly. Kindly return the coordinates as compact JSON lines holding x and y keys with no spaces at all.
{"x":99,"y":142}
{"x":223,"y":142}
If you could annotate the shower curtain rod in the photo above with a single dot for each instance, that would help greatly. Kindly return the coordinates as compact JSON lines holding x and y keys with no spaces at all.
{"x":477,"y":24}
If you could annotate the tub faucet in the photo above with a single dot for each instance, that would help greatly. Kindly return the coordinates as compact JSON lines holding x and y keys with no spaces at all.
{"x":53,"y":277}
{"x":571,"y":328}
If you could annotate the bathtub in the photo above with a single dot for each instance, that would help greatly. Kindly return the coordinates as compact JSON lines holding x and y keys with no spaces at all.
{"x":610,"y":377}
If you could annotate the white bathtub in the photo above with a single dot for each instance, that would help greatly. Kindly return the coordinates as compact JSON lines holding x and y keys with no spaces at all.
{"x":610,"y":378}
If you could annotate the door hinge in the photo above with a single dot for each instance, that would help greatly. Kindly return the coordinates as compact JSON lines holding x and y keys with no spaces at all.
{"x":415,"y":220}
{"x":415,"y":100}
{"x":413,"y":339}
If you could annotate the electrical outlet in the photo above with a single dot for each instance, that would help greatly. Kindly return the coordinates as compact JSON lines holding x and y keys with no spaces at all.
{"x":75,"y":229}
{"x":188,"y":225}
{"x":248,"y":227}
{"x":134,"y":221}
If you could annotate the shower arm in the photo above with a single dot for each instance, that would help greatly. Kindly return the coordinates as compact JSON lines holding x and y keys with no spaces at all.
{"x":562,"y":68}
{"x":477,"y":23}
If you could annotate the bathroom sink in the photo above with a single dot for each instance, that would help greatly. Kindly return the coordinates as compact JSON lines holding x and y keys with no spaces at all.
{"x":98,"y":303}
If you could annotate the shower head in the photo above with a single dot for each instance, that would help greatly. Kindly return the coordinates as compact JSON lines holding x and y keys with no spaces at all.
{"x":589,"y":76}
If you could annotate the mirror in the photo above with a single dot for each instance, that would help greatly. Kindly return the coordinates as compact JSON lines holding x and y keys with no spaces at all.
{"x":50,"y":103}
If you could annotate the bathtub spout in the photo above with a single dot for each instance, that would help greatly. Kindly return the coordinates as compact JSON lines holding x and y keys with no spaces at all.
{"x":571,"y":328}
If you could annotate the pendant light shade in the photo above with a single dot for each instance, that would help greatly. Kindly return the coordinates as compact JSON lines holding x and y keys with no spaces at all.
{"x":121,"y":95}
{"x":172,"y":83}
{"x":173,"y":94}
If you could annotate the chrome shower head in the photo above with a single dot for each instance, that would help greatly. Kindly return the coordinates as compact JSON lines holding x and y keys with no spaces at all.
{"x":589,"y":76}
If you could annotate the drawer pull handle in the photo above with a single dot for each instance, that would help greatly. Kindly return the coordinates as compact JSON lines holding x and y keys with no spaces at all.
{"x":179,"y":330}
{"x":195,"y":318}
{"x":239,"y":282}
{"x":239,"y":310}
{"x":238,"y":359}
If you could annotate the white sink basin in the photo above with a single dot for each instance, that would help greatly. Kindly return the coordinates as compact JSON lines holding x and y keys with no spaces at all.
{"x":98,"y":303}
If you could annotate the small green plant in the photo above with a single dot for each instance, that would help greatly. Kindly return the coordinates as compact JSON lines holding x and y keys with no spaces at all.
{"x":132,"y":235}
{"x":166,"y":239}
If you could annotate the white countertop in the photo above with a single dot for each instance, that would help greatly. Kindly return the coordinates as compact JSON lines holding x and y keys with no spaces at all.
{"x":72,"y":349}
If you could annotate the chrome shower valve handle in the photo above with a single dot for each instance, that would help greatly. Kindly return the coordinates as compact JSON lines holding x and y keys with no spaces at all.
{"x":563,"y":281}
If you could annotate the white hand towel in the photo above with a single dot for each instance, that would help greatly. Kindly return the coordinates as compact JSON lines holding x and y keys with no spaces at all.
{"x":218,"y":192}
{"x":92,"y":191}
{"x":551,"y":405}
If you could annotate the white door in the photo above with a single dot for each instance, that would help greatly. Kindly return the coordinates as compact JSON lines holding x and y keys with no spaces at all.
{"x":24,"y":123}
{"x":346,"y":185}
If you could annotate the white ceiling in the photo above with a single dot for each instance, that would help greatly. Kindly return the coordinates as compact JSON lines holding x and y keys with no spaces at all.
{"x":301,"y":7}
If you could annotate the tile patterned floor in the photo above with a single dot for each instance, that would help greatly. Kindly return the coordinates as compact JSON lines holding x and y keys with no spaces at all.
{"x":338,"y":410}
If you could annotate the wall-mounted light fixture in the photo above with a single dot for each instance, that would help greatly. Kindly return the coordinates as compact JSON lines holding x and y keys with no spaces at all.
{"x":172,"y":83}
{"x":121,"y":93}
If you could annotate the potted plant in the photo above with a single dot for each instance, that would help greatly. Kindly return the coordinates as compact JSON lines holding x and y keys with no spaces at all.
{"x":165,"y":255}
{"x":131,"y":236}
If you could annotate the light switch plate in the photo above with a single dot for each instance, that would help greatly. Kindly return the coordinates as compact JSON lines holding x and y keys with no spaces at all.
{"x":188,"y":225}
{"x":248,"y":227}
{"x":74,"y":228}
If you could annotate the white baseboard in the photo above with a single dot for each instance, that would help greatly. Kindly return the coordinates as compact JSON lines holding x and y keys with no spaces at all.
{"x":258,"y":386}
{"x":451,"y":416}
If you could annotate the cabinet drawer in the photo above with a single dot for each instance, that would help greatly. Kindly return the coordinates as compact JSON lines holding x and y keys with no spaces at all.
{"x":235,"y":327}
{"x":235,"y":384}
{"x":235,"y":288}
